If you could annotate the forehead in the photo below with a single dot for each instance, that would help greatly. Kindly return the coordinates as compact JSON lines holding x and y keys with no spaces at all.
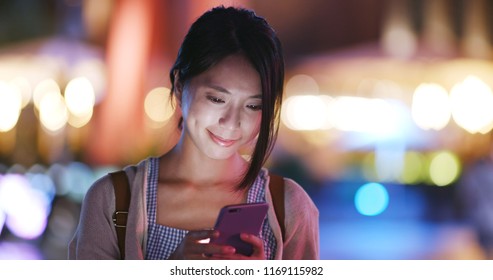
{"x":233,"y":73}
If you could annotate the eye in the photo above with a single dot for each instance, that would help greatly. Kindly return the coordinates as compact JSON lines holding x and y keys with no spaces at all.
{"x":255,"y":107}
{"x":215,"y":99}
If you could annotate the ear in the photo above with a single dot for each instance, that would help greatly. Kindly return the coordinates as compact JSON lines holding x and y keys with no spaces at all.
{"x":177,"y":87}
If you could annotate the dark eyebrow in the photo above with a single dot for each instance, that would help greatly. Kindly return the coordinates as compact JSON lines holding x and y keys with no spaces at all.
{"x":218,"y":88}
{"x":223,"y":90}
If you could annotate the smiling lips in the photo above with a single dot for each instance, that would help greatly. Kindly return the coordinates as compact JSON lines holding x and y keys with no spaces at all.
{"x":221,"y":141}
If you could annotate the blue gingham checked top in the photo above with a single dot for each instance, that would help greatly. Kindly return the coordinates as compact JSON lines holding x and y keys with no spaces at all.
{"x":163,"y":240}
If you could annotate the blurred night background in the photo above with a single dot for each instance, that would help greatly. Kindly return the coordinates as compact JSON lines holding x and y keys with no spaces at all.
{"x":387,"y":118}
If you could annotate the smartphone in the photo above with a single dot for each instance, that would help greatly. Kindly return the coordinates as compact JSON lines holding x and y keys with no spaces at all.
{"x":239,"y":218}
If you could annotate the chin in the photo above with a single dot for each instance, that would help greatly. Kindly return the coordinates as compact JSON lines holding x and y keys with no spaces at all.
{"x":221,"y":155}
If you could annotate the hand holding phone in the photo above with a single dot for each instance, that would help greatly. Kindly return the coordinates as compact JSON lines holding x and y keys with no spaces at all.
{"x":236,"y":219}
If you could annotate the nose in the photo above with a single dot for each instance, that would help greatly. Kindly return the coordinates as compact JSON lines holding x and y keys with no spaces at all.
{"x":230,"y":119}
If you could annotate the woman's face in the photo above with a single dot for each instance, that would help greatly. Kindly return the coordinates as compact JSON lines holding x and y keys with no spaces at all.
{"x":222,"y":107}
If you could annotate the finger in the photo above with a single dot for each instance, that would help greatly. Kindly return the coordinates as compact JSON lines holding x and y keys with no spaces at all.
{"x":198,"y":235}
{"x":252,"y":239}
{"x":255,"y":241}
{"x":257,"y":244}
{"x":199,"y":248}
{"x":212,"y":252}
{"x":215,"y":249}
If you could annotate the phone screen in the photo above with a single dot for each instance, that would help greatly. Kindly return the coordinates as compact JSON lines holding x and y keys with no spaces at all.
{"x":240,"y":218}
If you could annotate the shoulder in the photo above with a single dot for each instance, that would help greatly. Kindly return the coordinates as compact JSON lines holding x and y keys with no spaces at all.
{"x":101,"y":191}
{"x":136,"y":173}
{"x":295,"y":196}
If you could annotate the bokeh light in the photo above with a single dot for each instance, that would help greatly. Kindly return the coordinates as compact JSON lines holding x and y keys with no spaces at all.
{"x":53,"y":112}
{"x":369,"y":115}
{"x":24,"y":87}
{"x":414,"y":171}
{"x":80,"y":121}
{"x":371,"y":199}
{"x":389,"y":162}
{"x":26,"y":208}
{"x":10,"y":106}
{"x":431,"y":106}
{"x":43,"y":88}
{"x":472,"y":103}
{"x":19,"y":251}
{"x":42,"y":200}
{"x":301,"y":83}
{"x":43,"y":183}
{"x":306,"y":112}
{"x":345,"y":113}
{"x":3,"y":217}
{"x":80,"y":99}
{"x":445,"y":168}
{"x":158,"y":106}
{"x":94,"y":70}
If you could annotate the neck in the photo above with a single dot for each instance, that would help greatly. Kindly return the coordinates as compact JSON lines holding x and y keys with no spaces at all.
{"x":185,"y":163}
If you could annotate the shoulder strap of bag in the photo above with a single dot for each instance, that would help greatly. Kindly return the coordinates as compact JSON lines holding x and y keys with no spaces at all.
{"x":122,"y":202}
{"x":276,"y":186}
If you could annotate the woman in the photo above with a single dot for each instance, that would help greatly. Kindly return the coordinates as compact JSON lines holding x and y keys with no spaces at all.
{"x":228,"y":83}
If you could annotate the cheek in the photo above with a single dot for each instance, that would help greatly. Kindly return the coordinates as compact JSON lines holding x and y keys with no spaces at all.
{"x":196,"y":109}
{"x":254,"y":125}
{"x":257,"y":123}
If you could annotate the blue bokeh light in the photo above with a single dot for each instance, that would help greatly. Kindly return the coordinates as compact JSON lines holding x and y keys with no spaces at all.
{"x":371,"y":199}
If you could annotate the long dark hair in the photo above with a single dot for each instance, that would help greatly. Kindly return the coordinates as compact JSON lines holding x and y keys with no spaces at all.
{"x":221,"y":32}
